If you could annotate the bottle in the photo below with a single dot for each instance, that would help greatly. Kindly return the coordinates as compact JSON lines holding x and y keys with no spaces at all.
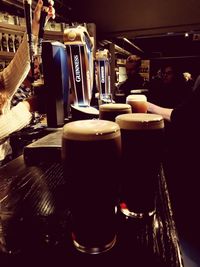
{"x":4,"y":42}
{"x":16,"y":42}
{"x":10,"y":43}
{"x":0,"y":41}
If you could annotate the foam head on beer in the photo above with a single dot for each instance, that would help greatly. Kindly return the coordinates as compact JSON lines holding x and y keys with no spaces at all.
{"x":140,"y":121}
{"x":138,"y":103}
{"x":84,"y":130}
{"x":111,"y":110}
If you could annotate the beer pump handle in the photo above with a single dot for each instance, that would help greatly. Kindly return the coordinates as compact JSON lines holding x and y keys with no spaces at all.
{"x":43,"y":16}
{"x":28,"y":18}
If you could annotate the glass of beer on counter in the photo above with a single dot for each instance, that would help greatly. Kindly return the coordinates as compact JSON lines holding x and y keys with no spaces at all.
{"x":112,"y":110}
{"x":90,"y":152}
{"x":138,"y":103}
{"x":142,"y":147}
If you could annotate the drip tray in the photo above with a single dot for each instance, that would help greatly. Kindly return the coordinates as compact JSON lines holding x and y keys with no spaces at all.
{"x":46,"y":149}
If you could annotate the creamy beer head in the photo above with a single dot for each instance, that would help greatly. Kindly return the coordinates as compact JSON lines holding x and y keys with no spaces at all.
{"x":88,"y":130}
{"x":116,"y":107}
{"x":136,"y":97}
{"x":137,"y":102}
{"x":140,"y":121}
{"x":111,"y":110}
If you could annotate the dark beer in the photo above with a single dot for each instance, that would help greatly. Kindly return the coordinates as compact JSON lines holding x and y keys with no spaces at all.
{"x":90,"y":152}
{"x":112,"y":110}
{"x":142,"y":137}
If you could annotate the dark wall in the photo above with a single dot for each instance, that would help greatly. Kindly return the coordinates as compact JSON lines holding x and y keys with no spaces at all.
{"x":139,"y":17}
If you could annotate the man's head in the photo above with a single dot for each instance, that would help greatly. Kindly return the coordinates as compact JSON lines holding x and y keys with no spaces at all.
{"x":168,"y":74}
{"x":133,"y":64}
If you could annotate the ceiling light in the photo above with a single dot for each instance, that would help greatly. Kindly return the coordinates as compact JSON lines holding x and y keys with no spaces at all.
{"x":132,"y":44}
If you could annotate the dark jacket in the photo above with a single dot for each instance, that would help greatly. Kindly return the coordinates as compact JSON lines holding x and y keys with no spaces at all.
{"x":134,"y":82}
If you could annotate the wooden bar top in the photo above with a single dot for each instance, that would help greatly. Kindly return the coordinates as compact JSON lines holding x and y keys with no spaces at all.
{"x":35,"y":224}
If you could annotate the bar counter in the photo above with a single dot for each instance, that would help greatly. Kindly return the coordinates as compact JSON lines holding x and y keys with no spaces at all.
{"x":35,"y":224}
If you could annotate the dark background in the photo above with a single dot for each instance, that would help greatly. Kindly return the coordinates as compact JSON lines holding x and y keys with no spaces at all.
{"x":157,"y":27}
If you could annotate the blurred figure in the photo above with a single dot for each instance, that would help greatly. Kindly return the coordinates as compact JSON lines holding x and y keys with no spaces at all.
{"x":189,"y":79}
{"x":171,"y":89}
{"x":187,"y":76}
{"x":157,"y":75}
{"x":17,"y":117}
{"x":134,"y":79}
{"x":196,"y":83}
{"x":22,"y":93}
{"x":181,"y":165}
{"x":25,"y":89}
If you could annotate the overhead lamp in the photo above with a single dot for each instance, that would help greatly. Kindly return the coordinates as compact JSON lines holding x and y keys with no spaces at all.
{"x":117,"y":47}
{"x":132,"y":44}
{"x":122,"y":50}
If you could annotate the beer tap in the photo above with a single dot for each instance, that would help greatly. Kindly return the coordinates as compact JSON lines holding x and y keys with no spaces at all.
{"x":28,"y":18}
{"x":102,"y":63}
{"x":43,"y":16}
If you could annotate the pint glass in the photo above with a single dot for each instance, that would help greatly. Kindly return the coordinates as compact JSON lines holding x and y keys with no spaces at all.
{"x":142,"y":137}
{"x":112,"y":110}
{"x":138,"y":103}
{"x":90,"y":152}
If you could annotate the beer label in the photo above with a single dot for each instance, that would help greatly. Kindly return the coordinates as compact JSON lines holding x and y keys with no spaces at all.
{"x":103,"y":78}
{"x":80,"y":58}
{"x":79,"y":75}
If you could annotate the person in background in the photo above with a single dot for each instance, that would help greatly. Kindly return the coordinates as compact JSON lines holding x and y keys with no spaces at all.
{"x":189,"y":79}
{"x":14,"y":119}
{"x":23,"y":92}
{"x":196,"y":83}
{"x":182,"y":170}
{"x":171,"y":89}
{"x":25,"y":89}
{"x":134,"y":79}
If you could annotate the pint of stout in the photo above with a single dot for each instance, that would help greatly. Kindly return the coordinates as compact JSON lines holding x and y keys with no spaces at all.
{"x":138,"y":103}
{"x":112,"y":110}
{"x":90,"y":152}
{"x":142,"y":137}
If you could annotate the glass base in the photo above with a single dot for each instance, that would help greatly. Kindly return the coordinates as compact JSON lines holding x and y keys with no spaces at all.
{"x":124,"y":209}
{"x":95,"y":250}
